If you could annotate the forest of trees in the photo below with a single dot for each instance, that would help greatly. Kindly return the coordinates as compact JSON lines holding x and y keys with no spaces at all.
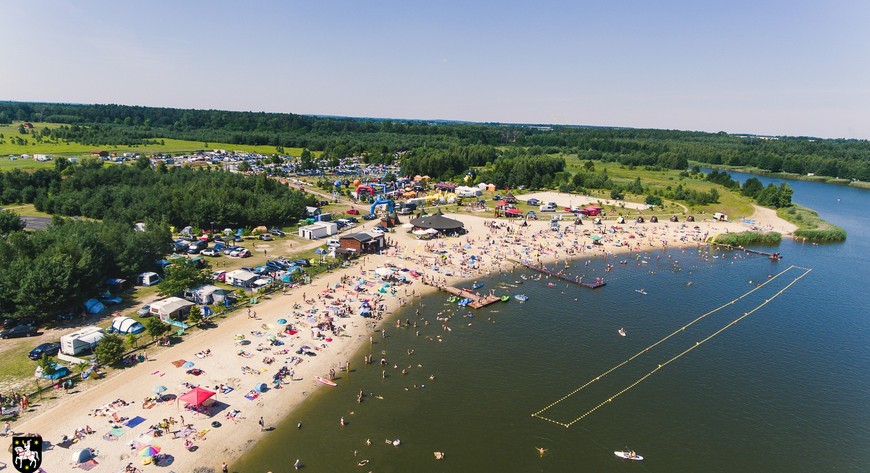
{"x":119,"y":125}
{"x":176,"y":195}
{"x":45,"y":272}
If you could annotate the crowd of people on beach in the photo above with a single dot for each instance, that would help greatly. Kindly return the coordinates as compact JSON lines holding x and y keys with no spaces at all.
{"x":361,"y":296}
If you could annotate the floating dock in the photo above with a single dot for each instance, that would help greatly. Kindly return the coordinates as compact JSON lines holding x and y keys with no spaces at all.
{"x":476,"y":301}
{"x":590,"y":285}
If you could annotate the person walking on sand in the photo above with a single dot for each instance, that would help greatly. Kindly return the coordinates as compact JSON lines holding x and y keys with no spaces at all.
{"x":224,"y":468}
{"x":262,"y":424}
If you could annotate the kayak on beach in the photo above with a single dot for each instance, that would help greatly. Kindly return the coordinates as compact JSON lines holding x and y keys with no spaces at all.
{"x":325,"y":381}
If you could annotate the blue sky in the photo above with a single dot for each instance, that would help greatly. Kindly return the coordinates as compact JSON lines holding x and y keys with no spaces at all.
{"x":768,"y":67}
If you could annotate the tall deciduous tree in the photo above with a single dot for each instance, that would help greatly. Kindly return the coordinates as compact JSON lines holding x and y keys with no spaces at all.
{"x":182,"y":276}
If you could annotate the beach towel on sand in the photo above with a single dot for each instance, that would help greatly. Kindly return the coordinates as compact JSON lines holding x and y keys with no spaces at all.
{"x":113,"y":434}
{"x":134,"y":422}
{"x":88,"y":464}
{"x":252,"y":395}
{"x":178,"y":363}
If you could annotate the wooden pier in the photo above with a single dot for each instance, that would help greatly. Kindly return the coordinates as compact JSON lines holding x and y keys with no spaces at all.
{"x":774,"y":256}
{"x":476,"y":301}
{"x":591,"y":285}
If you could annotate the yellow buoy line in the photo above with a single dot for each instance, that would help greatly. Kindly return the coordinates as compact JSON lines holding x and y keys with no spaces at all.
{"x":659,"y":367}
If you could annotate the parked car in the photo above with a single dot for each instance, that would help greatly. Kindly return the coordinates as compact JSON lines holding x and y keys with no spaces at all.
{"x":369,"y":217}
{"x":277,"y":232}
{"x":210,"y":252}
{"x":301,"y":262}
{"x":378,"y":229}
{"x":196,"y":247}
{"x":19,"y":331}
{"x":266,"y":237}
{"x":239,"y":252}
{"x":218,"y":238}
{"x":353,"y":219}
{"x":237,"y":238}
{"x":49,"y":349}
{"x":219,"y":276}
{"x":405,"y":211}
{"x":353,"y":212}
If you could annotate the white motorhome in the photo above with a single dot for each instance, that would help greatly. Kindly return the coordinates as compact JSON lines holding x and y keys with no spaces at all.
{"x":81,"y":340}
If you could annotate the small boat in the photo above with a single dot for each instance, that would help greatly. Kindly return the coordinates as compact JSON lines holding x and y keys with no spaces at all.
{"x":521,"y":297}
{"x":325,"y":381}
{"x":621,"y":331}
{"x":641,"y":291}
{"x":628,"y":456}
{"x":524,"y":277}
{"x":452,"y":299}
{"x":505,"y":298}
{"x":464,"y":302}
{"x":476,"y":285}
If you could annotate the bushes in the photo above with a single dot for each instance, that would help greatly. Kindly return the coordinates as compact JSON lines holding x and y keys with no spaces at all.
{"x":748,"y":238}
{"x":810,"y":226}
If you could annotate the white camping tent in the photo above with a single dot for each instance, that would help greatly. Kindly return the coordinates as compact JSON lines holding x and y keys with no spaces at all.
{"x":126,"y":325}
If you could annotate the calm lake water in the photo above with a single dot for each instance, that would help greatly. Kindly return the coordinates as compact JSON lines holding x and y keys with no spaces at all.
{"x":787,"y":389}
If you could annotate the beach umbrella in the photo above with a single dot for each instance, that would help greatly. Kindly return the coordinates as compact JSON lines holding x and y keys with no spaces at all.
{"x":595,"y":237}
{"x":160,"y":389}
{"x":188,"y":364}
{"x":282,"y":321}
{"x":149,"y":451}
{"x":239,"y":336}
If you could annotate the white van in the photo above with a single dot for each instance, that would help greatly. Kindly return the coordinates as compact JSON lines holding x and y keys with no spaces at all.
{"x":333,"y":243}
{"x":547,"y":208}
{"x":149,"y":279}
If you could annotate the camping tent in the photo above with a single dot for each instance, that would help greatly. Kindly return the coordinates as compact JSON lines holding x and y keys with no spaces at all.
{"x":59,"y":372}
{"x":126,"y":325}
{"x":83,"y":455}
{"x":94,"y":306}
{"x":196,"y":396}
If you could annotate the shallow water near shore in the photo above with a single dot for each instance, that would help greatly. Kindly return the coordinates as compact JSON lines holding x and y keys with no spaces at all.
{"x":784,"y":389}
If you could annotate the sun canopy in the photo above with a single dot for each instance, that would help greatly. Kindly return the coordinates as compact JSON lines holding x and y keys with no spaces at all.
{"x":196,"y":396}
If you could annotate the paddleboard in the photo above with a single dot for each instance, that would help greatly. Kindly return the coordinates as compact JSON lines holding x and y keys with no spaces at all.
{"x":325,"y":381}
{"x":626,"y":455}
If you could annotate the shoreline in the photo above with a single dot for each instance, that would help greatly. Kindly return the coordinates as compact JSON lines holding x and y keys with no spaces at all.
{"x":229,"y":441}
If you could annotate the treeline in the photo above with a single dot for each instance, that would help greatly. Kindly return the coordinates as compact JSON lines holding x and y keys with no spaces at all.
{"x":45,"y":272}
{"x":177,"y":195}
{"x":378,"y":139}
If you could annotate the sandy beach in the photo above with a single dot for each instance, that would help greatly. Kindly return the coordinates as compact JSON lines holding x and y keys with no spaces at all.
{"x":315,"y":313}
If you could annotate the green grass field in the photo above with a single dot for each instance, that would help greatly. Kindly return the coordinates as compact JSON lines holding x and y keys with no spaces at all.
{"x":169,"y":146}
{"x":730,"y":203}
